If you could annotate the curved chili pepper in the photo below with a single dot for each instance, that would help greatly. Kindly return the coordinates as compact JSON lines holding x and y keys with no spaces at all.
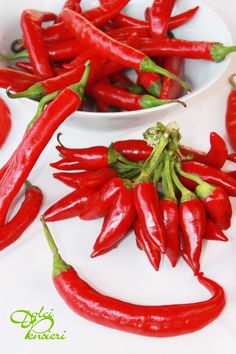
{"x":157,"y":321}
{"x":230,"y":118}
{"x":5,"y":121}
{"x":109,"y":48}
{"x":215,"y":157}
{"x":87,"y":179}
{"x":117,"y":222}
{"x":69,"y":206}
{"x":80,"y":59}
{"x":34,"y":141}
{"x":133,"y":150}
{"x":213,"y":232}
{"x":192,"y":217}
{"x":158,"y":16}
{"x":170,"y":88}
{"x":212,"y":51}
{"x":210,"y":175}
{"x":16,"y":79}
{"x":31,"y":21}
{"x":124,"y":100}
{"x":26,"y":214}
{"x":70,"y":4}
{"x":102,"y":200}
{"x":144,"y":243}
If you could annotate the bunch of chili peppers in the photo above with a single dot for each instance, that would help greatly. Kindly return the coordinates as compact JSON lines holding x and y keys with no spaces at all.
{"x":171,"y":195}
{"x":114,"y":43}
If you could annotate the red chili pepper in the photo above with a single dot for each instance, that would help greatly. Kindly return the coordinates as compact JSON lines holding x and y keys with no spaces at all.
{"x":146,"y":244}
{"x":133,"y":150}
{"x":213,"y":232}
{"x":26,"y":214}
{"x":69,"y":206}
{"x":88,"y":179}
{"x":5,"y":121}
{"x":34,"y":141}
{"x":65,"y":50}
{"x":117,"y":222}
{"x":25,"y":66}
{"x":192,"y":217}
{"x":123,"y":33}
{"x":214,"y":199}
{"x":230,"y":118}
{"x":215,"y":157}
{"x":232,"y":157}
{"x":16,"y":79}
{"x":170,"y":88}
{"x":212,"y":51}
{"x":102,"y":107}
{"x":109,"y":48}
{"x":231,"y":174}
{"x":101,"y":202}
{"x":70,"y":4}
{"x":156,"y":321}
{"x":159,"y":16}
{"x":80,"y":59}
{"x":151,"y":82}
{"x":210,"y":175}
{"x":122,"y":99}
{"x":31,"y":21}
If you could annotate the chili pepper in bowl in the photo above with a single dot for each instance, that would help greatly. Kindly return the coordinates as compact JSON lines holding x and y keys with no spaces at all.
{"x":16,"y":79}
{"x":5,"y":121}
{"x":156,"y":321}
{"x":230,"y":118}
{"x":171,"y":89}
{"x":158,"y":17}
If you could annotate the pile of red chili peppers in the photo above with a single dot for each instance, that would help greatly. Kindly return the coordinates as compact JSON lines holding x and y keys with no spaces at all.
{"x":113,"y":42}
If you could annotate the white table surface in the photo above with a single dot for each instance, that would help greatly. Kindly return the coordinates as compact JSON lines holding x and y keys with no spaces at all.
{"x":25,"y":267}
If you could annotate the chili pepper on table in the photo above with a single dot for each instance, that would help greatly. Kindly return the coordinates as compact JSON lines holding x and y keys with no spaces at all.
{"x":69,"y":206}
{"x":213,"y":232}
{"x":87,"y":179}
{"x":215,"y":200}
{"x":169,"y":88}
{"x":147,"y":245}
{"x":230,"y":117}
{"x":31,"y":21}
{"x":34,"y":141}
{"x":109,"y":48}
{"x":158,"y":321}
{"x":192,"y":217}
{"x":210,"y":175}
{"x":16,"y":79}
{"x":5,"y":121}
{"x":133,"y":149}
{"x":26,"y":214}
{"x":159,"y":16}
{"x":117,"y":222}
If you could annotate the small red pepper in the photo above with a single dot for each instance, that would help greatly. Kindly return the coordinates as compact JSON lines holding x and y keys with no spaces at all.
{"x":26,"y":214}
{"x":87,"y":179}
{"x":170,"y":88}
{"x":159,"y":16}
{"x":146,"y":244}
{"x":69,"y":206}
{"x":230,"y":118}
{"x":156,"y":321}
{"x":5,"y":121}
{"x":133,"y":150}
{"x":213,"y":232}
{"x":117,"y":222}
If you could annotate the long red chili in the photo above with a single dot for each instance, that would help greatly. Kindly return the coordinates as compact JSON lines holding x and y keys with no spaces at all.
{"x":16,"y":79}
{"x":34,"y":141}
{"x":87,"y":179}
{"x":157,"y":321}
{"x":109,"y":48}
{"x":214,"y":233}
{"x":31,"y":21}
{"x":5,"y":121}
{"x":230,"y":117}
{"x":69,"y":206}
{"x":117,"y":222}
{"x":170,"y":88}
{"x":26,"y":214}
{"x":70,"y":4}
{"x":159,"y":15}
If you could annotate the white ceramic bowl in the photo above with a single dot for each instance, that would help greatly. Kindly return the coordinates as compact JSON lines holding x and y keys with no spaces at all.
{"x":206,"y":25}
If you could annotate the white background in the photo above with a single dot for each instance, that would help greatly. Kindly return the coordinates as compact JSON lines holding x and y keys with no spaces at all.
{"x":25,"y":267}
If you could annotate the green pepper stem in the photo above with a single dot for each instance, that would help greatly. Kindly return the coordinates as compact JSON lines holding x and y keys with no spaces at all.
{"x":147,"y":65}
{"x":157,"y":173}
{"x":17,"y":46}
{"x":194,"y":178}
{"x":22,"y":54}
{"x":59,"y":265}
{"x":35,"y":92}
{"x":80,"y":86}
{"x":219,"y":51}
{"x":232,"y":80}
{"x":155,"y":88}
{"x":185,"y":193}
{"x":147,"y":101}
{"x":28,"y":185}
{"x":167,"y":184}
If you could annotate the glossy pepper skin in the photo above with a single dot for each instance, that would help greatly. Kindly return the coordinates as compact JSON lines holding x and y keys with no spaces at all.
{"x":34,"y":141}
{"x":148,"y":210}
{"x":159,"y":15}
{"x":16,"y":79}
{"x":210,"y":175}
{"x":5,"y":121}
{"x":170,"y":215}
{"x":156,"y":321}
{"x":117,"y":222}
{"x":69,"y":206}
{"x":87,"y":179}
{"x":230,"y":117}
{"x":145,"y":243}
{"x":26,"y":214}
{"x":133,"y":149}
{"x":169,"y":88}
{"x":70,"y":4}
{"x":31,"y":21}
{"x":102,"y":200}
{"x":214,"y":233}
